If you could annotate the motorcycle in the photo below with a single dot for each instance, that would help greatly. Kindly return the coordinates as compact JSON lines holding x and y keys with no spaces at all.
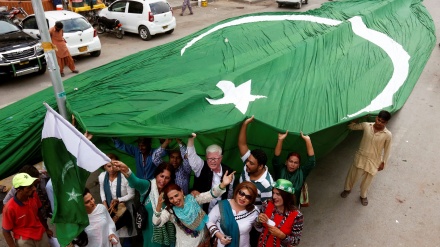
{"x":12,"y":15}
{"x":106,"y":25}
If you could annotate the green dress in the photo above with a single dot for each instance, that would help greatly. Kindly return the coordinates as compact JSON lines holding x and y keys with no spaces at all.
{"x":142,"y":186}
{"x":297,"y":177}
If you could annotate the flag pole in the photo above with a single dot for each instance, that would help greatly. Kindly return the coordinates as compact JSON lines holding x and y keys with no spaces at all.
{"x":52,"y":64}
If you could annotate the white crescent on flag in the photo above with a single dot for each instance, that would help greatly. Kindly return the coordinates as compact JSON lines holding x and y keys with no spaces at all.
{"x":399,"y":57}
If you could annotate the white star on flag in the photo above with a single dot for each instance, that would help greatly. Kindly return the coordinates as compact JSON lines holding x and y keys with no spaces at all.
{"x":73,"y":195}
{"x":240,"y":96}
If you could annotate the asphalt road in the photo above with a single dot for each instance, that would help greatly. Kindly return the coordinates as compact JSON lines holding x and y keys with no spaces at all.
{"x":403,"y":199}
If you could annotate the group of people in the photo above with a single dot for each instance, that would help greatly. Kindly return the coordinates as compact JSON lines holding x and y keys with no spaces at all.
{"x":257,"y":211}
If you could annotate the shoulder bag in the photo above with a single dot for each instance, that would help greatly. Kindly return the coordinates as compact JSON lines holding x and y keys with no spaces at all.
{"x":140,"y":213}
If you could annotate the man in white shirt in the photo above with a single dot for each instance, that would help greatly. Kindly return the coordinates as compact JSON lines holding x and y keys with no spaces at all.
{"x":208,"y":173}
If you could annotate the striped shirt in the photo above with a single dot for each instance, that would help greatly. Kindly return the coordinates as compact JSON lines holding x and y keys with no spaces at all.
{"x":263,"y":184}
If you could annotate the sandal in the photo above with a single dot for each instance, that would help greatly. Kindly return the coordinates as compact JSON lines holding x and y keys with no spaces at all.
{"x":364,"y":201}
{"x":345,"y":193}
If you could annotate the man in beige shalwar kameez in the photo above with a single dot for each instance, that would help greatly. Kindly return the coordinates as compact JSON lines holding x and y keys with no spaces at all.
{"x":63,"y":55}
{"x":371,"y":156}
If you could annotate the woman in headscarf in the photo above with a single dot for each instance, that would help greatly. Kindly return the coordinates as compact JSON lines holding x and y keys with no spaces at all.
{"x":163,"y":175}
{"x":231,"y":220}
{"x":292,"y":169}
{"x":281,"y":221}
{"x":186,"y":214}
{"x":117,"y":194}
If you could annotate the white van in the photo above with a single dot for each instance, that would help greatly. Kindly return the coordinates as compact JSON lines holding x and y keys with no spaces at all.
{"x":145,"y":17}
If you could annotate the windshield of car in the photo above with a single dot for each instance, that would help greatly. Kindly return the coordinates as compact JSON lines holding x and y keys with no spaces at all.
{"x":75,"y":25}
{"x":159,"y":8}
{"x":6,"y":27}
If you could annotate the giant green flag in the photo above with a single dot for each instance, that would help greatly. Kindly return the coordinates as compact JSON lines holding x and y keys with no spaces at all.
{"x":312,"y":72}
{"x":69,"y":158}
{"x":308,"y":71}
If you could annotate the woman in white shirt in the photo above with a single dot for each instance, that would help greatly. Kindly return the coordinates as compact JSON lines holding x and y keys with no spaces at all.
{"x":114,"y":190}
{"x":101,"y":230}
{"x":230,"y":221}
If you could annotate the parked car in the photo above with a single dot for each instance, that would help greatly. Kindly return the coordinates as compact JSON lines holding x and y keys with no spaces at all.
{"x":145,"y":18}
{"x":20,"y":54}
{"x":79,"y":34}
{"x":297,"y":3}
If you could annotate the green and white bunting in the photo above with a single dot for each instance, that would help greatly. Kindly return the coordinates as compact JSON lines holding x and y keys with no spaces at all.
{"x":69,"y":158}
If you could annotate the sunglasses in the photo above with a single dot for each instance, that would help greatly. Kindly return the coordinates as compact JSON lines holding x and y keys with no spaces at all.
{"x":241,"y":193}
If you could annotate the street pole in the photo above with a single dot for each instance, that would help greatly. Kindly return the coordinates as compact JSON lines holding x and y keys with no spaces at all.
{"x":51,"y":59}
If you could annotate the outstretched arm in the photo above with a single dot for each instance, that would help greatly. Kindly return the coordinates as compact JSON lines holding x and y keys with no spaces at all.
{"x":216,"y":190}
{"x":130,"y":149}
{"x":309,"y":146}
{"x":194,"y":160}
{"x":242,"y":140}
{"x":227,"y":179}
{"x":185,"y":163}
{"x":279,"y":146}
{"x":134,"y":182}
{"x":160,"y":152}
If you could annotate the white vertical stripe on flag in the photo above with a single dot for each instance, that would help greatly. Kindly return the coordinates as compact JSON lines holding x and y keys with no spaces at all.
{"x":88,"y":156}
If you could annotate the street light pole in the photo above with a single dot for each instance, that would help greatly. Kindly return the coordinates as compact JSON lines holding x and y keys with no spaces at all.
{"x":51,"y":59}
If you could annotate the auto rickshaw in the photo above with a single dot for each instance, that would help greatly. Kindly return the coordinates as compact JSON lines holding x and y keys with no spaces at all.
{"x":87,"y":8}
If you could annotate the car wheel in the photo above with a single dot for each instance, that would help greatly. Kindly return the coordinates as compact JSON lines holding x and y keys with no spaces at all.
{"x":95,"y":53}
{"x":170,"y":31}
{"x":280,"y":5}
{"x":43,"y":69}
{"x":306,"y":1}
{"x":144,"y":33}
{"x":100,"y":29}
{"x":299,"y":4}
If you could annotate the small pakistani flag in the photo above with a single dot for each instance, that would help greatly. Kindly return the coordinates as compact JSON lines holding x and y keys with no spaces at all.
{"x":69,"y":158}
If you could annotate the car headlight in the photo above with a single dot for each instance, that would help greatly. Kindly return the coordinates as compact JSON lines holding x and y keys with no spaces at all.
{"x":39,"y":48}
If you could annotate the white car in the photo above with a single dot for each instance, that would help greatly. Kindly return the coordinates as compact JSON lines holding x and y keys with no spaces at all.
{"x":144,"y":17}
{"x":80,"y":36}
{"x":297,"y":3}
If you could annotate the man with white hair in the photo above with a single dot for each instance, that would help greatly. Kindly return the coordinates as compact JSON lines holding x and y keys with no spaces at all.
{"x":208,"y":173}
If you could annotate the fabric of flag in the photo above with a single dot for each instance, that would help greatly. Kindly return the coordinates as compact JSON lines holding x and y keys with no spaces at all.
{"x":311,"y":71}
{"x":69,"y":158}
